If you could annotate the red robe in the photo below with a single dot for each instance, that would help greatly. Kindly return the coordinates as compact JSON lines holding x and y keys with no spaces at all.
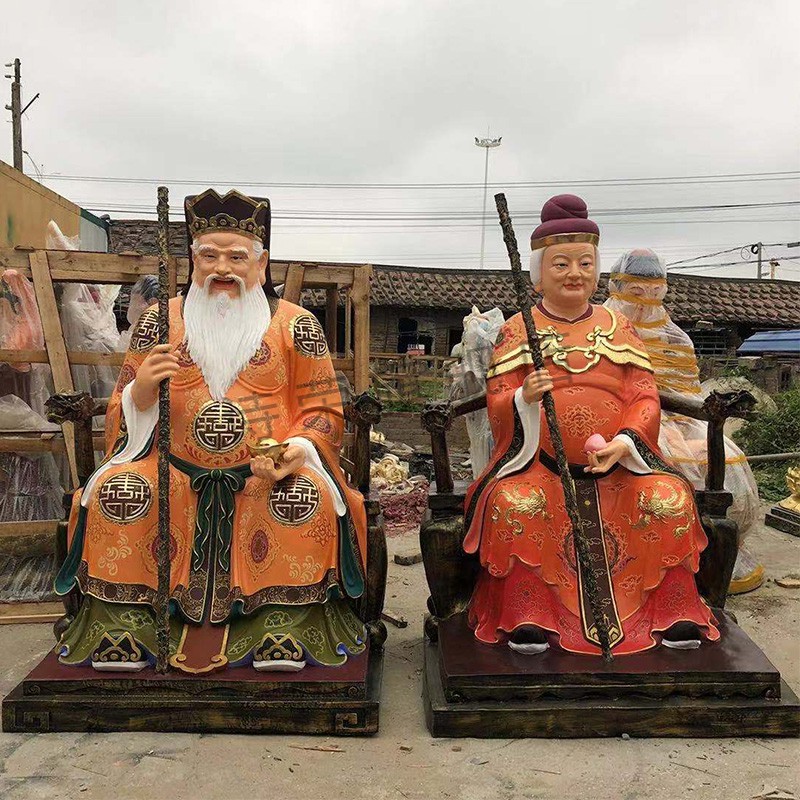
{"x":644,"y":531}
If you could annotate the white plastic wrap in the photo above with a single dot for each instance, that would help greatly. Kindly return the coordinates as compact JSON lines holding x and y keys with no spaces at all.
{"x":637,"y":287}
{"x":21,"y":329}
{"x":143,"y":294}
{"x":469,"y":377}
{"x":30,"y":485}
{"x":88,"y":322}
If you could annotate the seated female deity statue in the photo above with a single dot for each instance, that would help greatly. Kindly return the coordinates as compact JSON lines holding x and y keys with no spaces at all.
{"x":638,"y":514}
{"x":267,"y":551}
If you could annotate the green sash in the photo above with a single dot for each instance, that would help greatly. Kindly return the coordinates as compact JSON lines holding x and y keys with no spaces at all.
{"x":216,"y":504}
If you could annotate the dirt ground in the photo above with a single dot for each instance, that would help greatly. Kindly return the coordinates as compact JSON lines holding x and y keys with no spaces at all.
{"x":201,"y":767}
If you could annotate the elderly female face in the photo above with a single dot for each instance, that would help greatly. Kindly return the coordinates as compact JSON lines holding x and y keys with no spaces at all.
{"x":568,"y":273}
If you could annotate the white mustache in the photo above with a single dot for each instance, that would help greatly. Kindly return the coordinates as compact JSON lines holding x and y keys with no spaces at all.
{"x":237,"y":278}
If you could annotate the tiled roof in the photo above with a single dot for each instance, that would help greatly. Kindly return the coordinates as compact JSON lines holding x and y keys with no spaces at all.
{"x":691,"y":298}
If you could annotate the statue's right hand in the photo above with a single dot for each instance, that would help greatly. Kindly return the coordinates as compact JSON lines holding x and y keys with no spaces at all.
{"x":535,"y":385}
{"x":161,"y":362}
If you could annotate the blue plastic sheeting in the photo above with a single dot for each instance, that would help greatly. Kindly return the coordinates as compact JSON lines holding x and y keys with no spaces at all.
{"x":782,"y":342}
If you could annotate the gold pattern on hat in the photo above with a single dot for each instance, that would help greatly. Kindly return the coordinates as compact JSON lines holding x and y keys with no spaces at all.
{"x":226,"y":222}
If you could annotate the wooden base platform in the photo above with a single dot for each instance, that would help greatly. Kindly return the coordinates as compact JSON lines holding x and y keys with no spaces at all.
{"x":726,"y":689}
{"x":341,"y":701}
{"x":783,"y":519}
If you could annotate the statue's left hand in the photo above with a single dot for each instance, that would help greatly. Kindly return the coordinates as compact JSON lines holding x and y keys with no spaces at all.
{"x":265,"y":468}
{"x":602,"y":460}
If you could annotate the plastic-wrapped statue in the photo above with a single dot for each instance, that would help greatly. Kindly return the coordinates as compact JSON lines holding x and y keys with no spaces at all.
{"x":642,"y":526}
{"x":477,"y":342}
{"x":637,"y":287}
{"x":143,"y":294}
{"x":30,"y":487}
{"x":268,"y":542}
{"x":88,"y":322}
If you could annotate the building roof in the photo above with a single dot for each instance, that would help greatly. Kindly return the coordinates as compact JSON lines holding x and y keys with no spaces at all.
{"x":691,"y":298}
{"x":779,"y":342}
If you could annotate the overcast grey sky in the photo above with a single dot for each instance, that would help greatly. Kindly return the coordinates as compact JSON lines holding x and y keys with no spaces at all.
{"x":236,"y":94}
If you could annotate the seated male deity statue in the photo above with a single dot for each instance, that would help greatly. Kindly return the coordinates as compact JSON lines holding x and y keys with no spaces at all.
{"x":267,"y":552}
{"x":639,"y":517}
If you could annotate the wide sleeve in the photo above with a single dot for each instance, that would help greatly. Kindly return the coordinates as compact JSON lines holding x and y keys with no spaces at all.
{"x":317,"y":420}
{"x":515,"y":424}
{"x":129,"y":431}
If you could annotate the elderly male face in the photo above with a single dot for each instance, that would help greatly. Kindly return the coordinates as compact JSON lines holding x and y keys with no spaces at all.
{"x":225,"y":262}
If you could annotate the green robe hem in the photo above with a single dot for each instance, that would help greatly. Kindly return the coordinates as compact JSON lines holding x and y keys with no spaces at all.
{"x":328,"y":632}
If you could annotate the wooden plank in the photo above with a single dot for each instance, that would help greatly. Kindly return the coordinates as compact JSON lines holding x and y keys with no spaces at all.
{"x":107,"y":267}
{"x":331,"y":317}
{"x":359,"y":296}
{"x":85,"y":267}
{"x":293,"y":284}
{"x":316,"y":274}
{"x":54,"y":342}
{"x":43,"y":442}
{"x":102,"y":359}
{"x":348,"y":326}
{"x":23,"y":613}
{"x":23,"y":444}
{"x":344,"y":364}
{"x":23,"y":356}
{"x":36,"y":527}
{"x":74,"y":356}
{"x":12,"y":258}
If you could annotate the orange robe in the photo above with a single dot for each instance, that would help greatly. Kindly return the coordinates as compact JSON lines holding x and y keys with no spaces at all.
{"x":643,"y":528}
{"x":281,"y":544}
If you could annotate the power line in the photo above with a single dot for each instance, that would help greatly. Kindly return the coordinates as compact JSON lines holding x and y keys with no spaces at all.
{"x":730,"y":250}
{"x":741,"y":263}
{"x":363,"y":215}
{"x":733,"y":177}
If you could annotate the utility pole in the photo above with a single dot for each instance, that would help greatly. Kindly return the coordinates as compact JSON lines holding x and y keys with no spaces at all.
{"x":487,"y":144}
{"x":17,"y":111}
{"x":16,"y":114}
{"x":756,"y":250}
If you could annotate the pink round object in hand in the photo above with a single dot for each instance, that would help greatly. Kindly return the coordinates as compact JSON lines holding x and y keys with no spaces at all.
{"x":594,"y":443}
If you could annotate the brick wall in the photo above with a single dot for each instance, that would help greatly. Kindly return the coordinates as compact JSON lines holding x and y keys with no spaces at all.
{"x":405,"y":427}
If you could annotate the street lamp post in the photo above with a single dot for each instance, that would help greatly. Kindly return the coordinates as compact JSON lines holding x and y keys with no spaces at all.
{"x":487,"y":144}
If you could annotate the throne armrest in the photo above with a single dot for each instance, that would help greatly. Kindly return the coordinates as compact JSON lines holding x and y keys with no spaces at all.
{"x":362,"y":411}
{"x":438,"y":416}
{"x":715,"y":410}
{"x":78,"y":408}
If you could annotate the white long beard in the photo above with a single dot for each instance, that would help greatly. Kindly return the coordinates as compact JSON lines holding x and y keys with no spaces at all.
{"x":224,"y":332}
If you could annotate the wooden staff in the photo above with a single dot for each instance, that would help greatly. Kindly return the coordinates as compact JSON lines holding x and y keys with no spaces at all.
{"x":570,"y":499}
{"x":162,"y":552}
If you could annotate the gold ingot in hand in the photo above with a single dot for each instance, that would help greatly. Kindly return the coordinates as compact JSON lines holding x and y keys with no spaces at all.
{"x":269,"y":448}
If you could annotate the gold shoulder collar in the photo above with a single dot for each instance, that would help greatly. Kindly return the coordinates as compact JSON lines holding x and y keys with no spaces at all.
{"x":600,"y":346}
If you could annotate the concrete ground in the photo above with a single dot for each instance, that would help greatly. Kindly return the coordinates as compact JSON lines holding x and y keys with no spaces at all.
{"x":403,"y":761}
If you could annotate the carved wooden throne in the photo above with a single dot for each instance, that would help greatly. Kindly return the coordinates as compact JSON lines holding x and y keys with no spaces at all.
{"x":727,"y":688}
{"x":317,"y":700}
